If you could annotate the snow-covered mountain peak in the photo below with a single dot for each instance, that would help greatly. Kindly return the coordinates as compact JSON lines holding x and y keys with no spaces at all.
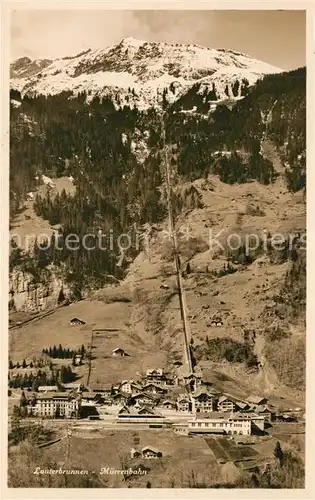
{"x":140,"y":71}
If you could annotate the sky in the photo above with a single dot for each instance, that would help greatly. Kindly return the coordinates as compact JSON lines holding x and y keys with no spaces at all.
{"x":276,"y":37}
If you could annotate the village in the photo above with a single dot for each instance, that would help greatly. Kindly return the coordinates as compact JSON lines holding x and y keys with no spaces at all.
{"x":95,"y":391}
{"x":185,"y":402}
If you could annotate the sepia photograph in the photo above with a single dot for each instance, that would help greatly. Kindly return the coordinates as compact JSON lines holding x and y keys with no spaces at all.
{"x":157,"y":249}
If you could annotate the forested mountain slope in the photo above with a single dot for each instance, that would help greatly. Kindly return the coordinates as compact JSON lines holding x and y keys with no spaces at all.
{"x":114,"y":156}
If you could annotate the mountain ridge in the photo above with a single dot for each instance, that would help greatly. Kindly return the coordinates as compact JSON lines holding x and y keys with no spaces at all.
{"x":141,"y":72}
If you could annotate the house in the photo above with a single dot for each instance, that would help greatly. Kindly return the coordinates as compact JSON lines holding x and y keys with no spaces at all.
{"x":168,"y":405}
{"x":89,"y":398}
{"x":143,"y":399}
{"x":192,"y":380}
{"x":177,"y":363}
{"x":76,"y":322}
{"x":256,"y":400}
{"x":150,"y":452}
{"x":155,"y":372}
{"x":203,"y":401}
{"x":119,"y":352}
{"x":183,"y":403}
{"x":120,"y":398}
{"x":227,"y":403}
{"x":157,"y":376}
{"x":153,"y":388}
{"x":242,"y":405}
{"x":266,"y":412}
{"x":135,"y":453}
{"x":55,"y":404}
{"x":129,"y":386}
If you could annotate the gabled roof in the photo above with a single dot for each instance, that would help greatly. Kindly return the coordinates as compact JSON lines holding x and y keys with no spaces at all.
{"x":183,"y":398}
{"x":264,"y":408}
{"x":141,"y":394}
{"x":77,"y":320}
{"x":256,"y":399}
{"x":154,"y":371}
{"x":167,"y":401}
{"x":124,"y":409}
{"x":200,"y":391}
{"x":150,"y":448}
{"x":145,"y":410}
{"x":153,"y":385}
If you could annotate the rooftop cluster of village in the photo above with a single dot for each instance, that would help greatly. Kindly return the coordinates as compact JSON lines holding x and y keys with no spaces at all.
{"x":187,"y":402}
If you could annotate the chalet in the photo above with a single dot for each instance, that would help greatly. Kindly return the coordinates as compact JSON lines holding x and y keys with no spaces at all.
{"x":227,"y":403}
{"x":150,"y":452}
{"x":118,"y":352}
{"x":135,"y":453}
{"x":155,"y":372}
{"x":177,"y":363}
{"x":157,"y":376}
{"x":168,"y":405}
{"x":266,"y":412}
{"x":76,"y":322}
{"x":256,"y":400}
{"x":216,"y":323}
{"x":143,"y":398}
{"x":153,"y":388}
{"x":193,"y":381}
{"x":203,"y":401}
{"x":242,"y":405}
{"x":120,"y":398}
{"x":125,"y":386}
{"x":183,"y":403}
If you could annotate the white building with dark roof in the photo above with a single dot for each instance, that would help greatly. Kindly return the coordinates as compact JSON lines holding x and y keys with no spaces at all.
{"x":226,"y":423}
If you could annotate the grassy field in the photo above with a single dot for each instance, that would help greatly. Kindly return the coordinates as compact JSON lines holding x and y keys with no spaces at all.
{"x":55,"y":329}
{"x":227,"y":451}
{"x":184,"y":459}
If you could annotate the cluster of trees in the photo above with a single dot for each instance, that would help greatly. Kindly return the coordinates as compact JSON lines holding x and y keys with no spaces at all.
{"x":241,"y":126}
{"x":62,"y":375}
{"x":218,"y":349}
{"x":63,"y":136}
{"x":20,"y":365}
{"x":58,"y":135}
{"x":226,"y":269}
{"x":288,"y":472}
{"x":62,"y":352}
